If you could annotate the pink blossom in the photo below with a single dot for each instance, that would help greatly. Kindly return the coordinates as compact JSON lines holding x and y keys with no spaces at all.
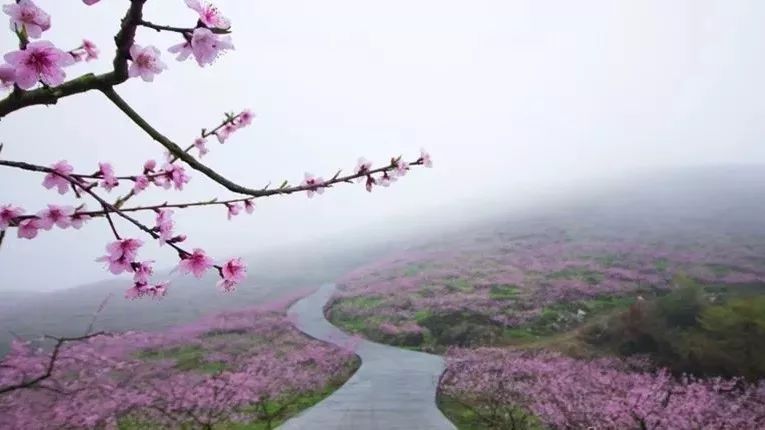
{"x":199,"y":143}
{"x":209,"y":14}
{"x":61,"y":216}
{"x":400,"y":167}
{"x":146,"y":62}
{"x":121,"y":254}
{"x":164,"y":225}
{"x":27,"y":15}
{"x":233,"y":272}
{"x":370,"y":182}
{"x":78,"y":219}
{"x":425,"y":157}
{"x":196,"y":263}
{"x":40,"y":61}
{"x":386,"y":180}
{"x":314,"y":183}
{"x":245,"y":118}
{"x":208,"y":46}
{"x":54,"y":179}
{"x":362,"y":167}
{"x":249,"y":206}
{"x":107,"y":173}
{"x":7,"y":214}
{"x":141,"y":183}
{"x":142,"y":272}
{"x":149,"y":166}
{"x":7,"y":76}
{"x":91,"y":51}
{"x":174,"y":174}
{"x":159,"y":290}
{"x":28,"y":228}
{"x":233,"y":210}
{"x":182,"y":49}
{"x":226,"y":132}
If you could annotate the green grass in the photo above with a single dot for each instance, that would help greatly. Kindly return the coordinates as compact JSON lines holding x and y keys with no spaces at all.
{"x":503,"y":292}
{"x":586,"y":275}
{"x":458,"y":284}
{"x":661,"y":265}
{"x":465,"y":418}
{"x":187,"y":357}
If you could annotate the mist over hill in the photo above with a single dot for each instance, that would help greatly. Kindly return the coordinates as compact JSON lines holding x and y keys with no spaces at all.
{"x":690,"y":205}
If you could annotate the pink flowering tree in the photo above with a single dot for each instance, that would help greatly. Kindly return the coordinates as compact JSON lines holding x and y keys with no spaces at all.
{"x":35,"y":74}
{"x":514,"y":390}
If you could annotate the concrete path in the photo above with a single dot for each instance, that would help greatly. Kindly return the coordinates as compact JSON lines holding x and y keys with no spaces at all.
{"x":393,"y":389}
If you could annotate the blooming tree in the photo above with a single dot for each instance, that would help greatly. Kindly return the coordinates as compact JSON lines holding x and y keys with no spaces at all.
{"x":35,"y":74}
{"x":236,"y":367}
{"x":516,"y":390}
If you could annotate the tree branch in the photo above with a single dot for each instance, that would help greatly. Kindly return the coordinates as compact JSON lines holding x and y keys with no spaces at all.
{"x":50,"y":95}
{"x":51,"y":363}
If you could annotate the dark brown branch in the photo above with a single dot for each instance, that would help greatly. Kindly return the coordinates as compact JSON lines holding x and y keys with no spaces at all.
{"x":177,"y":151}
{"x":51,"y":363}
{"x":182,"y":30}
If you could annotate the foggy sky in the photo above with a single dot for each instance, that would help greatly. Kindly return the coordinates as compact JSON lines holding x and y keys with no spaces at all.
{"x":514,"y":99}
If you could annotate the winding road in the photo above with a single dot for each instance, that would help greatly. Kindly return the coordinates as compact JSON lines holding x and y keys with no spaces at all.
{"x":393,"y":389}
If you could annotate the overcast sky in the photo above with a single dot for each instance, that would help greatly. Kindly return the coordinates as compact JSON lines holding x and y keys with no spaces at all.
{"x":513,"y":98}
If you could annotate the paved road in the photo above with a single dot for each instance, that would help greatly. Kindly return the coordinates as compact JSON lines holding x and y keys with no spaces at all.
{"x":393,"y":389}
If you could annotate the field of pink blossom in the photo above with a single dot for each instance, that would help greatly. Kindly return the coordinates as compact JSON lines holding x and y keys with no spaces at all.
{"x":497,"y":290}
{"x":504,"y":389}
{"x":246,"y":369}
{"x":497,"y":304}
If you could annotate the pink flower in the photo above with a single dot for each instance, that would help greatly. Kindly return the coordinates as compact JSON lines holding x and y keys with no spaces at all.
{"x":226,"y":132}
{"x":135,"y":292}
{"x":146,"y":62}
{"x":160,"y":290}
{"x":107,"y":173}
{"x":209,"y":14}
{"x":233,"y":210}
{"x":90,"y":2}
{"x":233,"y":272}
{"x":425,"y":157}
{"x":175,"y":175}
{"x":370,"y":182}
{"x":362,"y":167}
{"x":55,"y":180}
{"x":121,"y":254}
{"x":196,"y":263}
{"x":249,"y":206}
{"x":245,"y":118}
{"x":149,"y":166}
{"x":78,"y":219}
{"x":182,"y":49}
{"x":164,"y":225}
{"x":27,"y":15}
{"x":142,"y":272}
{"x":7,"y":76}
{"x":7,"y":214}
{"x":199,"y":143}
{"x":141,"y":183}
{"x":91,"y":51}
{"x":386,"y":180}
{"x":400,"y":167}
{"x":41,"y":61}
{"x":314,"y":185}
{"x":208,"y":46}
{"x":61,"y":216}
{"x":28,"y":228}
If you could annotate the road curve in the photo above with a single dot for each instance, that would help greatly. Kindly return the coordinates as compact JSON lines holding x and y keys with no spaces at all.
{"x":393,"y":389}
